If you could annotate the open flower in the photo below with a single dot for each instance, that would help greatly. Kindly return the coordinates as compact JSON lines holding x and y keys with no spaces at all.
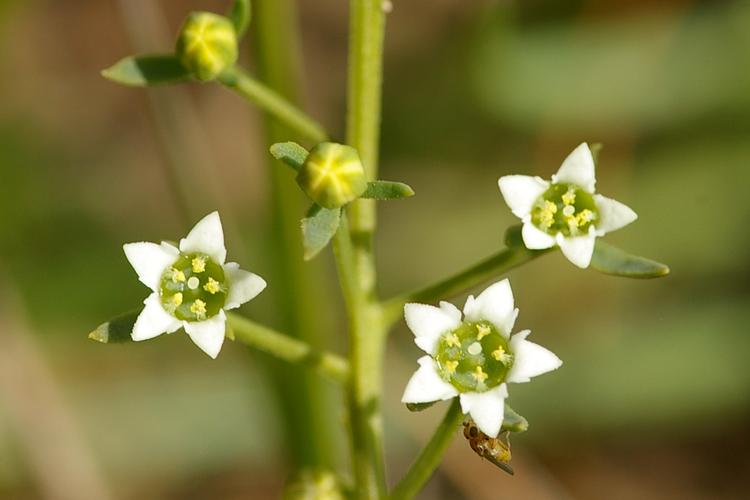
{"x":192,"y":286}
{"x":567,"y":211}
{"x":473,"y":358}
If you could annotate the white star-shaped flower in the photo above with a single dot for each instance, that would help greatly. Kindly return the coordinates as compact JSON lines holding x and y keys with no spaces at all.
{"x":474,"y":357}
{"x":192,"y":285}
{"x":566,"y":211}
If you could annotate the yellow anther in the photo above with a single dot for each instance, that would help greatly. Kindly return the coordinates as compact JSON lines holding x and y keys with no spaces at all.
{"x":584,"y":217}
{"x":498,"y":353}
{"x":450,"y":366}
{"x":178,"y":276}
{"x":177,"y":299}
{"x":212,"y":286}
{"x":547,"y":214}
{"x":479,"y":374}
{"x":569,"y":198}
{"x":451,"y":340}
{"x":198,"y":308}
{"x":483,"y":331}
{"x":549,"y":207}
{"x":199,"y":264}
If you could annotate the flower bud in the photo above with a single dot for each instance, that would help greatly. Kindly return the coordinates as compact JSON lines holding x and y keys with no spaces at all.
{"x":313,"y":484}
{"x":207,"y":45}
{"x":332,"y":175}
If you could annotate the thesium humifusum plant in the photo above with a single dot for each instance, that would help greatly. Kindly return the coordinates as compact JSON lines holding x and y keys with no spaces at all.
{"x":475,"y":358}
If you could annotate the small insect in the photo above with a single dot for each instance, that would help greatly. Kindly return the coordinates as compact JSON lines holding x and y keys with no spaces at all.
{"x":496,"y":450}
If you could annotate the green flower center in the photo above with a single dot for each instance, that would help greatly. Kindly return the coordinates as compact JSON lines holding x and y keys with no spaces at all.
{"x":474,"y":357}
{"x":566,"y":209}
{"x":194,"y":288}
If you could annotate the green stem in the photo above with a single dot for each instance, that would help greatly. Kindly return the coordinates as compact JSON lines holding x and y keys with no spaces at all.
{"x":493,"y":266}
{"x":367,"y":331}
{"x":272,"y":103}
{"x":302,"y":309}
{"x":429,"y":458}
{"x":288,"y":348}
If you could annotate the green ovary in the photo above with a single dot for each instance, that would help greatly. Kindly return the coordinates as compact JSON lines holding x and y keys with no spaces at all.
{"x":474,"y":357}
{"x":194,"y":288}
{"x":566,"y":209}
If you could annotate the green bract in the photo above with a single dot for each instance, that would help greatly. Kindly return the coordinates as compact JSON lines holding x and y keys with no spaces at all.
{"x":207,"y":45}
{"x":194,"y":288}
{"x":565,"y":208}
{"x":474,"y":357}
{"x":332,"y":175}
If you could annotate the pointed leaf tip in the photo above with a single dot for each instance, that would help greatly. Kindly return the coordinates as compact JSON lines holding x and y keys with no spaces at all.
{"x":143,"y":71}
{"x":609,"y":259}
{"x":116,"y":330}
{"x":514,"y":422}
{"x":290,"y":153}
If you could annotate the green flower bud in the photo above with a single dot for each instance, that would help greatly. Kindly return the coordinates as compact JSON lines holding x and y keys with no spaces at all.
{"x":311,"y":484}
{"x":332,"y":175}
{"x":207,"y":45}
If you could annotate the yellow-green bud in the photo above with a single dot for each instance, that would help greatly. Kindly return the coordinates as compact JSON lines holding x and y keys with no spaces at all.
{"x":313,"y":485}
{"x":332,"y":175}
{"x":207,"y":45}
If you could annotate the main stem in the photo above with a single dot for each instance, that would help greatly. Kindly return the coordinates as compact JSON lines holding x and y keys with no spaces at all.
{"x":367,"y":331}
{"x":306,"y":412}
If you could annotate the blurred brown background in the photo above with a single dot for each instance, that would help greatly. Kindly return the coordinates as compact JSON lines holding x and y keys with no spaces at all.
{"x":654,"y":397}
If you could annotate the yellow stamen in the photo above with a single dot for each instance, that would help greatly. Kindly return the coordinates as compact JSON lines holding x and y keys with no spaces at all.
{"x":569,"y":198}
{"x":198,"y":308}
{"x":498,"y":353}
{"x":178,"y":276}
{"x":547,"y":214}
{"x":452,"y":340}
{"x":584,"y":217}
{"x":199,"y":264}
{"x":483,"y":331}
{"x":212,"y":286}
{"x":450,"y":366}
{"x":177,"y":299}
{"x":479,"y":375}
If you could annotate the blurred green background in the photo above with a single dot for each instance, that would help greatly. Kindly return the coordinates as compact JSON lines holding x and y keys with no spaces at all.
{"x":654,"y":397}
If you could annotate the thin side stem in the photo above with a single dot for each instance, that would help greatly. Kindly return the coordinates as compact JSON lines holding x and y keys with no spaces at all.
{"x":367,"y":331}
{"x":498,"y":264}
{"x":429,"y":458}
{"x":288,"y":348}
{"x":272,"y":103}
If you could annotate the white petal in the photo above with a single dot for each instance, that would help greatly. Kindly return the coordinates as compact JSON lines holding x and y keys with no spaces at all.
{"x":495,"y":305}
{"x":426,"y":385}
{"x":150,"y":260}
{"x":243,"y":285}
{"x":153,"y":320}
{"x":536,"y":239}
{"x":428,"y":323}
{"x":578,"y":169}
{"x":613,"y":215}
{"x":578,"y":249}
{"x":530,"y":359}
{"x":451,"y":310}
{"x":486,"y":408}
{"x":208,"y":334}
{"x":521,"y":191}
{"x":207,"y":236}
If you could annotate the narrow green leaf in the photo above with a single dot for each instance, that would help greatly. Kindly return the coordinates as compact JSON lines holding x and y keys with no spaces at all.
{"x":318,"y":227}
{"x":290,"y":153}
{"x":609,"y":259}
{"x":240,"y":14}
{"x":387,"y":190}
{"x":117,"y":330}
{"x":513,"y":237}
{"x":419,"y":406}
{"x":142,"y":71}
{"x":514,"y":422}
